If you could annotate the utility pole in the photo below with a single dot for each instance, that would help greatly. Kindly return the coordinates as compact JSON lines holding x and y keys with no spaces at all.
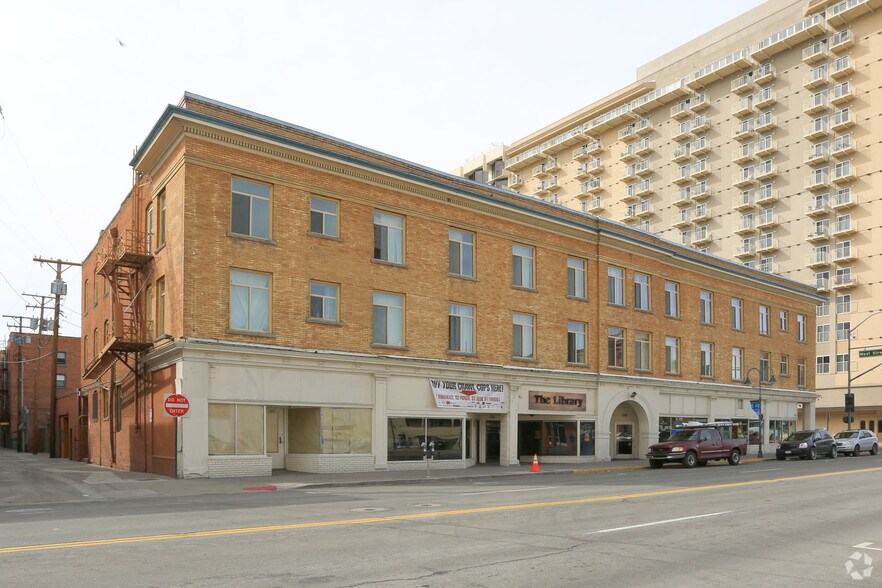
{"x":21,"y":405}
{"x":58,"y":288}
{"x":35,"y":445}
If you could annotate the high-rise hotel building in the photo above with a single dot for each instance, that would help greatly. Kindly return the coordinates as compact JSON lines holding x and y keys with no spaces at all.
{"x":758,"y":141}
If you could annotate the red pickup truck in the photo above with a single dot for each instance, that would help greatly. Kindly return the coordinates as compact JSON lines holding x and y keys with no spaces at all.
{"x":697,"y":445}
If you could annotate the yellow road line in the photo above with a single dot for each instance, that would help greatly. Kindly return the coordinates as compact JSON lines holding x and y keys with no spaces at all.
{"x":413,"y":516}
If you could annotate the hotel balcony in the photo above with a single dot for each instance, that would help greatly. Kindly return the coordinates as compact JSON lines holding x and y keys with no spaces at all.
{"x":743,"y":84}
{"x":699,"y":102}
{"x":682,"y":153}
{"x":702,"y":239}
{"x":743,"y":228}
{"x":766,"y":146}
{"x":552,"y":165}
{"x":764,"y":73}
{"x":682,"y":221}
{"x":845,"y":255}
{"x":842,"y":121}
{"x":743,"y":131}
{"x":592,"y":205}
{"x":843,"y":199}
{"x":766,"y":245}
{"x":742,"y":180}
{"x":700,"y":124}
{"x":842,"y":41}
{"x":817,"y":155}
{"x":743,"y":108}
{"x":642,"y":188}
{"x":843,"y":145}
{"x":841,"y":229}
{"x":844,"y":12}
{"x":822,"y":284}
{"x":842,"y":68}
{"x":700,"y":146}
{"x":683,"y":198}
{"x":815,"y":104}
{"x":645,"y":210}
{"x":582,"y":173}
{"x":744,"y":155}
{"x":815,"y":52}
{"x":817,"y":209}
{"x":744,"y":251}
{"x":765,"y":98}
{"x":591,"y":186}
{"x":844,"y":281}
{"x":844,"y":174}
{"x":630,"y":154}
{"x":790,"y":37}
{"x":701,"y":216}
{"x":700,"y":169}
{"x":744,"y":202}
{"x":765,"y":122}
{"x":817,"y":234}
{"x":765,"y":195}
{"x":766,"y":222}
{"x":680,"y":110}
{"x":764,"y":172}
{"x":739,"y":60}
{"x":539,"y":171}
{"x":817,"y":181}
{"x":683,"y":131}
{"x":682,"y":177}
{"x":817,"y":260}
{"x":515,"y":181}
{"x":701,"y":191}
{"x":815,"y":79}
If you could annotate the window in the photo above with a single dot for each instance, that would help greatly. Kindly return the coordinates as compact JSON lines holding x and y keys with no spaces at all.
{"x":148,"y":310}
{"x":388,"y":319}
{"x":323,"y":216}
{"x":461,"y":253}
{"x":615,"y":343}
{"x":85,"y":296}
{"x":641,"y":291}
{"x":388,"y":237}
{"x":250,"y":209}
{"x":843,"y":304}
{"x":800,"y":372}
{"x":737,"y":364}
{"x":160,"y":220}
{"x":707,"y":359}
{"x":95,"y":290}
{"x":642,"y":352}
{"x":522,"y":266}
{"x":149,"y":228}
{"x":843,"y":329}
{"x":842,"y":362}
{"x":784,"y":365}
{"x":94,"y":404}
{"x":823,"y":333}
{"x":763,"y":319}
{"x":822,"y":309}
{"x":160,"y":307}
{"x":765,"y":364}
{"x":323,"y":301}
{"x":672,"y":299}
{"x":576,"y":342}
{"x":61,"y":359}
{"x":106,"y":332}
{"x":800,"y":328}
{"x":461,"y":328}
{"x":249,"y":301}
{"x":105,"y":400}
{"x":523,"y":335}
{"x":86,"y":349}
{"x":672,"y":355}
{"x":615,"y":285}
{"x":706,"y":307}
{"x":60,"y":381}
{"x":235,"y":429}
{"x":737,"y":314}
{"x":95,"y":343}
{"x":576,"y":277}
{"x":783,"y":320}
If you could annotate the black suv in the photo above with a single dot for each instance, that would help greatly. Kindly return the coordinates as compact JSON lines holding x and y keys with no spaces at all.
{"x":807,"y":445}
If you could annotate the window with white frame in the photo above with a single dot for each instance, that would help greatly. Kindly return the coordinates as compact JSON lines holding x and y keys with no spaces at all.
{"x":249,"y":301}
{"x":707,"y":359}
{"x":523,"y":333}
{"x":323,"y":216}
{"x":641,"y":291}
{"x":250,"y":209}
{"x":461,"y":328}
{"x":672,"y":355}
{"x":576,"y":342}
{"x":800,"y":328}
{"x":737,"y":314}
{"x":843,"y":329}
{"x":576,"y":277}
{"x":672,"y":299}
{"x":822,"y":333}
{"x":388,"y":237}
{"x":388,"y":319}
{"x":822,"y":364}
{"x":615,"y":347}
{"x":784,"y":365}
{"x":801,"y":371}
{"x":842,"y":362}
{"x":822,"y":308}
{"x":765,"y":366}
{"x":706,"y":307}
{"x":522,"y":266}
{"x":783,"y":320}
{"x":737,"y":364}
{"x":843,"y":303}
{"x":323,"y":301}
{"x":642,"y":357}
{"x":461,"y":253}
{"x":763,"y":319}
{"x":615,"y":285}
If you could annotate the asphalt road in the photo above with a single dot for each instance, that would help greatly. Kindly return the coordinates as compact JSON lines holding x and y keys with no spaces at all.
{"x":793,"y":523}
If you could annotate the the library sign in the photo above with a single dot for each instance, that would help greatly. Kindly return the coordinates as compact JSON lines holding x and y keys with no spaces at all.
{"x":557,"y":401}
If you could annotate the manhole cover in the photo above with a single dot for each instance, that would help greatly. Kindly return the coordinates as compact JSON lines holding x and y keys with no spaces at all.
{"x":369,"y":509}
{"x":427,"y":505}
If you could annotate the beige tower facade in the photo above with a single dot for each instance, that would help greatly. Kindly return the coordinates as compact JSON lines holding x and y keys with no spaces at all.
{"x":758,"y":141}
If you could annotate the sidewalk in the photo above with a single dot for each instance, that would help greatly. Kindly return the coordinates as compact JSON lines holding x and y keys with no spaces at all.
{"x":31,"y":479}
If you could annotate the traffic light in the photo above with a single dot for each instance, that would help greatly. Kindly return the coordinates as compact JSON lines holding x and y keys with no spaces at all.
{"x":849,"y":402}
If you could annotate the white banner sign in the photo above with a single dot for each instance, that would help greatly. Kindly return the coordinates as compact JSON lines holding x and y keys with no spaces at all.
{"x":450,"y":394}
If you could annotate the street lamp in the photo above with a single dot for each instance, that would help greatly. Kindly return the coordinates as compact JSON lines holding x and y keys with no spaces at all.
{"x":772,"y":381}
{"x":849,"y":398}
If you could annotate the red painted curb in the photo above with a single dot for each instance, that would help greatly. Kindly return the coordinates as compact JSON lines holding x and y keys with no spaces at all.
{"x":260,"y":489}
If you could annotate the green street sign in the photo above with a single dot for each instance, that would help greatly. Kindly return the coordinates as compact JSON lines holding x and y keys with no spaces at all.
{"x":870,"y":352}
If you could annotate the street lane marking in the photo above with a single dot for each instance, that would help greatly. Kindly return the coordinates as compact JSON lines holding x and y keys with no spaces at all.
{"x":866,"y":546}
{"x":415,"y":516}
{"x":759,"y":471}
{"x":505,"y":491}
{"x":713,"y":514}
{"x":29,"y":510}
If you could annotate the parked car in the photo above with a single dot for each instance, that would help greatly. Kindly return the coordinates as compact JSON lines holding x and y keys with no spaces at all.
{"x":807,"y":445}
{"x":852,"y":442}
{"x":693,"y":446}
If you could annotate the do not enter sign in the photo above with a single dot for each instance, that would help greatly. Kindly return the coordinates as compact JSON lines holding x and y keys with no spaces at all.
{"x":176,"y":405}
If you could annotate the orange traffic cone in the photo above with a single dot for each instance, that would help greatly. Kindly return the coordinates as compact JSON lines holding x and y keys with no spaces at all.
{"x":535,"y":469}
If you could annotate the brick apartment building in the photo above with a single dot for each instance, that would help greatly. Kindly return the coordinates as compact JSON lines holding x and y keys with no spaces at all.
{"x":28,"y":381}
{"x":328,"y":308}
{"x":756,"y":142}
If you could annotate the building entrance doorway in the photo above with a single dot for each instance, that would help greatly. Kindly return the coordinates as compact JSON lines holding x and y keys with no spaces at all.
{"x":624,"y":441}
{"x":491,"y":436}
{"x":275,"y":435}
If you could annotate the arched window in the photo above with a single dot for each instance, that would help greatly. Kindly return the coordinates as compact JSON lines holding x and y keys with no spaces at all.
{"x":106,"y":331}
{"x":863,"y":424}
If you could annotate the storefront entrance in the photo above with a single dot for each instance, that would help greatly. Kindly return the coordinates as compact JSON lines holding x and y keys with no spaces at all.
{"x":275,"y":435}
{"x":624,"y":441}
{"x":491,"y":441}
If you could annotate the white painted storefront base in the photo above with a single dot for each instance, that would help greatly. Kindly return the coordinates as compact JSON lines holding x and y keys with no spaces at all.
{"x":329,"y":464}
{"x":238,"y":466}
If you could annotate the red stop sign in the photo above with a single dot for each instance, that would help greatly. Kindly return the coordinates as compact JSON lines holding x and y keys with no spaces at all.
{"x":177,"y":405}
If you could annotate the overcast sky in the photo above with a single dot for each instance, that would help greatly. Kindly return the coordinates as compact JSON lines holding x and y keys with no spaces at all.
{"x":82,"y":83}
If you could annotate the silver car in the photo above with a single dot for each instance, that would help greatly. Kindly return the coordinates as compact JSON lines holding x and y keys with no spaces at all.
{"x":854,"y":441}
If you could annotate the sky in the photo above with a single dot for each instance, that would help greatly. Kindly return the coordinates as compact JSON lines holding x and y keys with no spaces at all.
{"x":436,"y":83}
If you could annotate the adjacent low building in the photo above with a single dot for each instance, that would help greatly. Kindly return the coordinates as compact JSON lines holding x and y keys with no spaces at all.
{"x":327,"y":308}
